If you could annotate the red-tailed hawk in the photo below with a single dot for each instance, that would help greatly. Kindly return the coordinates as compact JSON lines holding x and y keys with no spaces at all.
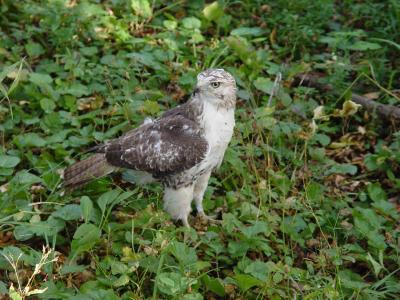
{"x":180,"y":149}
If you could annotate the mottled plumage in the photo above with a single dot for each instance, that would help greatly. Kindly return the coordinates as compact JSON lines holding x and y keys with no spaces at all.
{"x":179,"y":149}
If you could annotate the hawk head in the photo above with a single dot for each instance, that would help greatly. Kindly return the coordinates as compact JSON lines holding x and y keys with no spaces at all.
{"x":217,"y":86}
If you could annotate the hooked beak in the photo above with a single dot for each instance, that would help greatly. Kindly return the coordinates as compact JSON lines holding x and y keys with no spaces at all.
{"x":196,"y":91}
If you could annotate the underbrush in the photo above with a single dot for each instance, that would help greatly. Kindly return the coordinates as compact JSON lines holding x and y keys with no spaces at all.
{"x":308,"y":193}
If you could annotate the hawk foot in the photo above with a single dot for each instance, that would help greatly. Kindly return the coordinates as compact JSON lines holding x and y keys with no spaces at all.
{"x":208,"y":219}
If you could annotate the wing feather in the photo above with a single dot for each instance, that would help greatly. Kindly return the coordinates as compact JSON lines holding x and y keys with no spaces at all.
{"x":165,"y":146}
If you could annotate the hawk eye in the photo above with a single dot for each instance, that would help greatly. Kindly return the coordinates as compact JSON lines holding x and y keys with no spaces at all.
{"x":215,"y":84}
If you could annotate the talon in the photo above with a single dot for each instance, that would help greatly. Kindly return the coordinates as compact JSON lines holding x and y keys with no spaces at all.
{"x":209,"y":219}
{"x":185,"y":223}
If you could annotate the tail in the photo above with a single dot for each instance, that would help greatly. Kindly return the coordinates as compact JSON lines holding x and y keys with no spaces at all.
{"x":82,"y":172}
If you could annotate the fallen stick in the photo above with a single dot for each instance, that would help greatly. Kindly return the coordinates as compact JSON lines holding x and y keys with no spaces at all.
{"x":382,"y":110}
{"x":386,"y":111}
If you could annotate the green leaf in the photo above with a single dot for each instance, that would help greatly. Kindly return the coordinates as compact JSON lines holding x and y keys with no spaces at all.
{"x":7,"y":161}
{"x":213,"y":11}
{"x":85,"y":237}
{"x":142,"y":8}
{"x":66,"y":269}
{"x":197,"y":37}
{"x":47,"y":228}
{"x":14,"y":295}
{"x":258,"y":269}
{"x":351,"y":280}
{"x":146,"y":59}
{"x":29,"y":140}
{"x":248,"y":31}
{"x":294,"y":225}
{"x":238,"y":249}
{"x":118,"y":267}
{"x":364,"y":46}
{"x":93,"y":290}
{"x":23,"y":232}
{"x":7,"y":70}
{"x":6,"y":172}
{"x":244,"y":50}
{"x":387,"y":41}
{"x":11,"y":251}
{"x":245,"y":282}
{"x":371,"y":162}
{"x":342,"y":169}
{"x":323,"y":139}
{"x":386,"y":208}
{"x":172,"y":283}
{"x":47,"y":105}
{"x":34,"y":49}
{"x":88,"y":9}
{"x":282,"y":182}
{"x":86,"y":206}
{"x":214,"y":285}
{"x":315,"y":192}
{"x":243,"y":94}
{"x":369,"y":224}
{"x":121,"y":281}
{"x":151,"y":107}
{"x":284,"y":97}
{"x":3,"y":288}
{"x":376,"y":240}
{"x":167,"y":284}
{"x":264,"y":84}
{"x":86,"y":233}
{"x":191,"y":23}
{"x":257,"y":228}
{"x":264,"y":118}
{"x":317,"y":153}
{"x":25,"y":178}
{"x":89,"y":51}
{"x":186,"y":255}
{"x":277,"y":278}
{"x":77,"y":90}
{"x":376,"y":193}
{"x":68,"y":212}
{"x":40,"y":79}
{"x":377,"y":266}
{"x":107,"y":198}
{"x":170,"y":24}
{"x":192,"y":296}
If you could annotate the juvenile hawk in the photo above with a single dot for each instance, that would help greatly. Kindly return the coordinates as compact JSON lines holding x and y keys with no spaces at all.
{"x":180,"y":149}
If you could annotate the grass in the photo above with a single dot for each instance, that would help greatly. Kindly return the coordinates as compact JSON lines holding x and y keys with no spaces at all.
{"x":308,"y":190}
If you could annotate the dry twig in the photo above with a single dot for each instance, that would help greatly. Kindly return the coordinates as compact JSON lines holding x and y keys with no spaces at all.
{"x":385,"y":111}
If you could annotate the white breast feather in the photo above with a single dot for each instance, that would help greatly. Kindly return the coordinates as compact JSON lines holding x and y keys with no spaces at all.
{"x":218,"y":126}
{"x":218,"y":129}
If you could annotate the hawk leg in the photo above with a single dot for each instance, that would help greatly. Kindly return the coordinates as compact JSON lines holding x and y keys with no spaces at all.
{"x":177,"y":203}
{"x":198,"y":195}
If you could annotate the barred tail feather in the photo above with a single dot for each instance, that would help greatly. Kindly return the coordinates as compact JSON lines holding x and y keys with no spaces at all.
{"x":82,"y":172}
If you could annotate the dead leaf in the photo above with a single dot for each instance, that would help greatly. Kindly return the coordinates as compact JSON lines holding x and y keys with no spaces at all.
{"x":349,"y":108}
{"x":372,"y":95}
{"x":319,"y":113}
{"x":4,"y":188}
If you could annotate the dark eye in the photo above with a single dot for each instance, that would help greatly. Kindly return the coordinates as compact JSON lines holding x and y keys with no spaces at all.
{"x":215,"y":84}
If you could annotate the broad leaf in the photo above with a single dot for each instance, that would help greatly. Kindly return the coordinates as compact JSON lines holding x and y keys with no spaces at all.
{"x":245,"y":282}
{"x":213,"y":11}
{"x":85,"y":237}
{"x":7,"y":161}
{"x":248,"y":31}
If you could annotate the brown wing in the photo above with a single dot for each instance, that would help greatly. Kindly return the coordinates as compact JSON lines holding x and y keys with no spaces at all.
{"x":166,"y":146}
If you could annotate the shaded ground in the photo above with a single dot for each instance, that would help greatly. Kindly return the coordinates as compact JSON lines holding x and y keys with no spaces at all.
{"x":308,"y":191}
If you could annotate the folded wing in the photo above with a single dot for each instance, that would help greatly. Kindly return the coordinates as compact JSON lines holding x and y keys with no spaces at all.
{"x":162,"y":147}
